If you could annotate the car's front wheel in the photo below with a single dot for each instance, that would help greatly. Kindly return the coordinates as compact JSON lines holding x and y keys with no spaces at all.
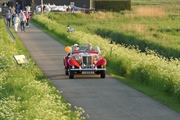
{"x":71,"y":74}
{"x":103,"y":74}
{"x":66,"y":72}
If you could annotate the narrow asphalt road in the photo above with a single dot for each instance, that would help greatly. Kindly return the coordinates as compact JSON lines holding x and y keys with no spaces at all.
{"x":102,"y":99}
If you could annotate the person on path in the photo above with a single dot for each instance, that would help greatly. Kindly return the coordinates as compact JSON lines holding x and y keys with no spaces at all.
{"x":13,"y":15}
{"x":17,"y":9}
{"x":13,"y":9}
{"x":20,"y":13}
{"x":16,"y":22}
{"x":10,"y":8}
{"x":8,"y":18}
{"x":28,"y":18}
{"x":23,"y":22}
{"x":28,"y":9}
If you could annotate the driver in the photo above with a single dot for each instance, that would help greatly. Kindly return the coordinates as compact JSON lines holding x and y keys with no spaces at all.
{"x":89,"y":47}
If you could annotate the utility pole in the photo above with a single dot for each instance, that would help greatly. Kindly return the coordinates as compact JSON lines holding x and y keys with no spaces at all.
{"x":1,"y":8}
{"x":32,"y":7}
{"x":42,"y":6}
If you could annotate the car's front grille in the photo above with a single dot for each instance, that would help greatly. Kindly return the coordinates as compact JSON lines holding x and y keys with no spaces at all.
{"x":87,"y":61}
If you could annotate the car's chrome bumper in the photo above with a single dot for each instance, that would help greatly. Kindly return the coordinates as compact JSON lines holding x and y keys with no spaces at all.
{"x":87,"y":69}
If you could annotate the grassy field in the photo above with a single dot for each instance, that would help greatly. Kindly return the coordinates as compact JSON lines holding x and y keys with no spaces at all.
{"x":154,"y":2}
{"x":149,"y":26}
{"x":25,"y":94}
{"x":145,"y":27}
{"x":147,"y":48}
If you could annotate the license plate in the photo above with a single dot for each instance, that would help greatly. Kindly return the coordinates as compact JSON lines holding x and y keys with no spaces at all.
{"x":87,"y":72}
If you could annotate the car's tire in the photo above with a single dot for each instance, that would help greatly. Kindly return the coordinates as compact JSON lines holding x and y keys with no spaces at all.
{"x":66,"y":72}
{"x":71,"y":74}
{"x":103,"y":74}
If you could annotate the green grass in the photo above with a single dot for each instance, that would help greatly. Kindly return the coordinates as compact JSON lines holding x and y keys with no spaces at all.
{"x":25,"y":93}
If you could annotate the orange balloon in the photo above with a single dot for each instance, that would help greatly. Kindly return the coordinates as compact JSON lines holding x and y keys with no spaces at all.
{"x":68,"y":49}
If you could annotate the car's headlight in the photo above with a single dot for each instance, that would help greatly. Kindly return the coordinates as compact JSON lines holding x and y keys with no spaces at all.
{"x":78,"y":57}
{"x":96,"y":57}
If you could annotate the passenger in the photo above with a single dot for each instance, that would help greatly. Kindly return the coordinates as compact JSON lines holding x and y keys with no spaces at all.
{"x":76,"y":48}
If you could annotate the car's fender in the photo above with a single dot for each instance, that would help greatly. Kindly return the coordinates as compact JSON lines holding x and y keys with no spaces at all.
{"x":101,"y":62}
{"x":72,"y":62}
{"x":65,"y":62}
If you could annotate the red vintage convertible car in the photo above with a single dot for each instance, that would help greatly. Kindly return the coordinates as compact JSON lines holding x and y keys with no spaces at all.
{"x":81,"y":60}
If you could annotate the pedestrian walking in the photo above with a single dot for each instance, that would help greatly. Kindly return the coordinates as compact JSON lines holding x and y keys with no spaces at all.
{"x":13,"y":9}
{"x":27,"y":18}
{"x":17,"y":9}
{"x":8,"y":18}
{"x":23,"y":22}
{"x":16,"y":22}
{"x":20,"y":13}
{"x":13,"y":15}
{"x":28,"y":9}
{"x":10,"y":8}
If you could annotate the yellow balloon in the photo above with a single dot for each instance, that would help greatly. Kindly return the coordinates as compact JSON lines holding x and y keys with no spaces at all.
{"x":68,"y":49}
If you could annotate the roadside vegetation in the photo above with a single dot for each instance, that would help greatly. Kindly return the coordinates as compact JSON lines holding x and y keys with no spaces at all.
{"x":146,"y":46}
{"x":25,"y":94}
